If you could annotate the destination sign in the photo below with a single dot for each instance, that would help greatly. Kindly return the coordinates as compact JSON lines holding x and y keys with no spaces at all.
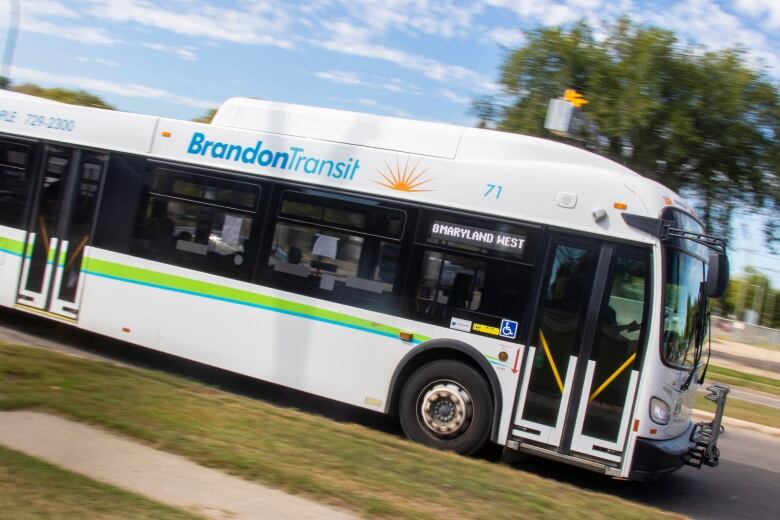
{"x":475,"y":236}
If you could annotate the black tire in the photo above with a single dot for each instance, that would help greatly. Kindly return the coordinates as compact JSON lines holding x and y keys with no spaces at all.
{"x":451,"y":378}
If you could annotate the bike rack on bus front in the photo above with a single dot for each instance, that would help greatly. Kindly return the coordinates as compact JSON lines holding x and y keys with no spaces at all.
{"x":705,"y":435}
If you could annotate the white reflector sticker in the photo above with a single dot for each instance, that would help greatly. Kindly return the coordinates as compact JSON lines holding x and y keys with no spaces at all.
{"x":459,"y":324}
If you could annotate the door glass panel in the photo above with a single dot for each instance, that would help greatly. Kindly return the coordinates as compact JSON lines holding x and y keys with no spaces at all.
{"x":80,"y":226}
{"x":619,"y":336}
{"x":557,"y":334}
{"x":45,"y":221}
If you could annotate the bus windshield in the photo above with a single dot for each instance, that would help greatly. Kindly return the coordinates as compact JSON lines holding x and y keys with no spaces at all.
{"x":682,"y":304}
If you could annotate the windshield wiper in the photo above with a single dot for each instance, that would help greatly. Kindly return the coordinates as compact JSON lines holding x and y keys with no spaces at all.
{"x":664,"y":230}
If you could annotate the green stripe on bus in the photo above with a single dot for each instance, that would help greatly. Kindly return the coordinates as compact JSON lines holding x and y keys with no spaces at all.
{"x":15,"y":247}
{"x":180,"y":283}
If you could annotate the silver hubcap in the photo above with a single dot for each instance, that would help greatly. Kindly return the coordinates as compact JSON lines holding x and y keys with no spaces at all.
{"x":446,"y":408}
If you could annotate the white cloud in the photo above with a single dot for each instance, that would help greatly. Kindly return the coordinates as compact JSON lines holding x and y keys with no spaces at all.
{"x":709,"y":23}
{"x":454,"y":97}
{"x":81,"y":34}
{"x":340,"y":76}
{"x":444,"y":18}
{"x":99,"y":61}
{"x":49,"y":8}
{"x":132,"y":90}
{"x":348,"y":39}
{"x":380,"y":107}
{"x":261,"y":23}
{"x":706,"y":23}
{"x":351,"y":78}
{"x":557,"y":12}
{"x":33,"y":14}
{"x":506,"y":37}
{"x":541,"y":11}
{"x":768,"y":11}
{"x":184,"y":52}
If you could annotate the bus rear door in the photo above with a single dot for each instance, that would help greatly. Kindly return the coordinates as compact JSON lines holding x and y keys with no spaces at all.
{"x":59,"y":228}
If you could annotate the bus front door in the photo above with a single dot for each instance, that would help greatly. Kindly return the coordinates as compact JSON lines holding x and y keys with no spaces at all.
{"x":581,"y":372}
{"x":59,"y":229}
{"x":551,"y":363}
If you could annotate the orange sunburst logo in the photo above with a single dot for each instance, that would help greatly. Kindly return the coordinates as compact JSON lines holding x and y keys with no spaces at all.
{"x":403,"y":179}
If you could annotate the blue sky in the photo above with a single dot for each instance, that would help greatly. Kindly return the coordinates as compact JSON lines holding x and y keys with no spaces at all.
{"x":424,"y":59}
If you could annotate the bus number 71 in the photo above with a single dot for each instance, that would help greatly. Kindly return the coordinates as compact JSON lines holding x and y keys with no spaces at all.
{"x":494,"y":188}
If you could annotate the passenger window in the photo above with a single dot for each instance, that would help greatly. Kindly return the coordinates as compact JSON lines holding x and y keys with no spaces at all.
{"x":471,"y":288}
{"x":15,"y":164}
{"x":198,"y":222}
{"x":452,"y":280}
{"x":330,"y":262}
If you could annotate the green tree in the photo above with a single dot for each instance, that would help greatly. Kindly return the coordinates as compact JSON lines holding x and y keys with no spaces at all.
{"x":750,"y":290}
{"x":704,"y":123}
{"x":64,"y":95}
{"x":207,"y":117}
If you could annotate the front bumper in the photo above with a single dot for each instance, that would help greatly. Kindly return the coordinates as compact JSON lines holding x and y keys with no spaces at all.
{"x":697,"y":446}
{"x":653,"y":458}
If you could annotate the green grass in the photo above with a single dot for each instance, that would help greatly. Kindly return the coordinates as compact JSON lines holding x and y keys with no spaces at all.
{"x":743,"y":379}
{"x":740,"y":409}
{"x":347,"y":465}
{"x":31,"y":489}
{"x":725,"y":337}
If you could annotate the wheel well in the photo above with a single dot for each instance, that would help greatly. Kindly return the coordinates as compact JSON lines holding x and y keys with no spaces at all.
{"x":436,"y":350}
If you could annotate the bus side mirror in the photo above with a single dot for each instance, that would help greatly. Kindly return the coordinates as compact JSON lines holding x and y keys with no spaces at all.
{"x":717,"y":275}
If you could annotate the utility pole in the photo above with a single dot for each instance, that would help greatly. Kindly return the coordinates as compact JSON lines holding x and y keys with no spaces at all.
{"x":10,"y":43}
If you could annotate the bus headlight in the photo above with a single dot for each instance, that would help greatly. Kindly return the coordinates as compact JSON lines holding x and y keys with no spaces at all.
{"x":659,"y":411}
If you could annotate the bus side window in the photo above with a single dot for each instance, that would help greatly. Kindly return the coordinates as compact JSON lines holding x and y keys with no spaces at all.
{"x":16,"y":161}
{"x":334,"y":249}
{"x":196,"y":221}
{"x":125,"y":193}
{"x":469,"y":287}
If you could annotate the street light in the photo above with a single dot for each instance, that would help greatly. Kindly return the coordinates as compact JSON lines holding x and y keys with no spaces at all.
{"x":10,"y":44}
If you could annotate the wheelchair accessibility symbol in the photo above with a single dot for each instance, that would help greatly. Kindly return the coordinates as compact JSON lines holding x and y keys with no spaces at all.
{"x":508,"y":329}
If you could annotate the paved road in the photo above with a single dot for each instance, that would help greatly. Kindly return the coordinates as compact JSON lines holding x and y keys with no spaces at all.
{"x":745,"y":485}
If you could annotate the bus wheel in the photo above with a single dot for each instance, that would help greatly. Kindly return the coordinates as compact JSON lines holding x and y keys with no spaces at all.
{"x":447,"y":405}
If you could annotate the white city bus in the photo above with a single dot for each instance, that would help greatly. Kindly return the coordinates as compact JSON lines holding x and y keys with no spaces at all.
{"x":482,"y":286}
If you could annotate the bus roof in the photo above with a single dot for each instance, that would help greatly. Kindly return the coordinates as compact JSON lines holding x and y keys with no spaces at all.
{"x":401,"y":135}
{"x":472,"y":169}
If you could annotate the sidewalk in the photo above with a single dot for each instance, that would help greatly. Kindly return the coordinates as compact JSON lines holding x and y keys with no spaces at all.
{"x":166,"y":478}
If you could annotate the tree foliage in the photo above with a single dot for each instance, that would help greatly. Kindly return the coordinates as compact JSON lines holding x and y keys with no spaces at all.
{"x":63,"y":95}
{"x":207,"y":117}
{"x":751,"y":290}
{"x":704,"y":123}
